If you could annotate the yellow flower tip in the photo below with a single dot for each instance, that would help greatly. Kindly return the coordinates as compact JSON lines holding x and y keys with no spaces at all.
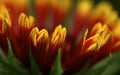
{"x":59,"y":35}
{"x":37,"y":36}
{"x":22,"y":19}
{"x":4,"y":17}
{"x":96,"y":41}
{"x":91,"y":43}
{"x":33,"y":35}
{"x":26,"y":22}
{"x":84,"y":37}
{"x":99,"y":28}
{"x":84,"y":7}
{"x":101,"y":34}
{"x":92,"y":47}
{"x":96,"y":28}
{"x":31,"y":21}
{"x":105,"y":34}
{"x":106,"y":39}
{"x":42,"y":35}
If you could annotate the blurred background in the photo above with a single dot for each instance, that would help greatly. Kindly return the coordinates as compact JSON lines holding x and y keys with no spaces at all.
{"x":115,"y":3}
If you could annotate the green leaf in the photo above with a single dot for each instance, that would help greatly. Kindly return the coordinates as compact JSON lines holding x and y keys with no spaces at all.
{"x":98,"y":68}
{"x":83,"y":70}
{"x":34,"y":67}
{"x":5,"y":67}
{"x":114,"y":65}
{"x":14,"y":63}
{"x":3,"y":63}
{"x":11,"y":57}
{"x":57,"y":68}
{"x":108,"y":66}
{"x":2,"y":56}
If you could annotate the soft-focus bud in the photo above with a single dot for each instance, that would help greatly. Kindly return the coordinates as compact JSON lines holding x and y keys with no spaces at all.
{"x":100,"y":10}
{"x":26,"y":22}
{"x":84,"y":7}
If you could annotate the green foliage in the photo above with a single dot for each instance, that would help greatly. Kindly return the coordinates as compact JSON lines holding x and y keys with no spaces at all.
{"x":11,"y":57}
{"x":57,"y":68}
{"x":34,"y":67}
{"x":83,"y":70}
{"x":108,"y":66}
{"x":10,"y":65}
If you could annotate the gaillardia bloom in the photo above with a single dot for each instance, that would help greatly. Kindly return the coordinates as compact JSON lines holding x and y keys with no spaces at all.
{"x":82,"y":32}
